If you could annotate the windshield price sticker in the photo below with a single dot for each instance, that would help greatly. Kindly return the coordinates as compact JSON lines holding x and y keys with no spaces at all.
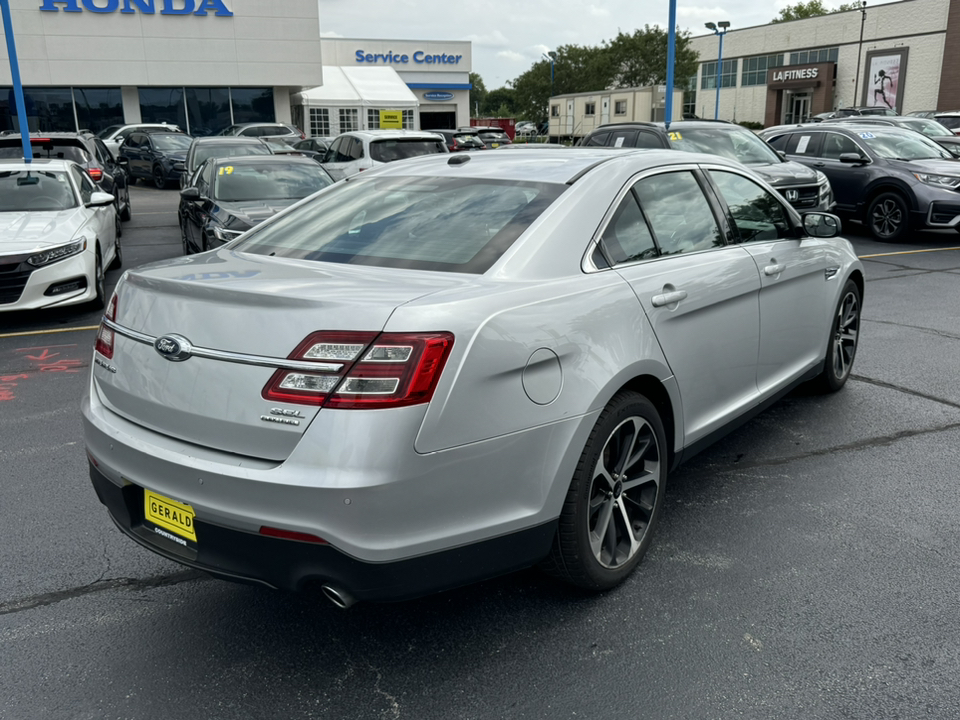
{"x":867,"y":136}
{"x":675,"y":136}
{"x":228,"y":170}
{"x":802,"y":145}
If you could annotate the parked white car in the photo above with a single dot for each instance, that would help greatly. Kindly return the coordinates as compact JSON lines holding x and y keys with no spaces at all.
{"x":114,"y":135}
{"x":352,"y":152}
{"x":57,"y":234}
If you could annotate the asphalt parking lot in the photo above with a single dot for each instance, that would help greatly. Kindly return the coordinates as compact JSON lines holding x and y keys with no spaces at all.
{"x":807,"y":566}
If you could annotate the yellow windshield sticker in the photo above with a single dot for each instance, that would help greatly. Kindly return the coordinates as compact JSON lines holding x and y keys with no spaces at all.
{"x":676,"y":136}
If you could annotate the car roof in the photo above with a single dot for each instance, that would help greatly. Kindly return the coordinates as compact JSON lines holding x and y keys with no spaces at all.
{"x":226,"y":140}
{"x":536,"y":165}
{"x":391,"y":134}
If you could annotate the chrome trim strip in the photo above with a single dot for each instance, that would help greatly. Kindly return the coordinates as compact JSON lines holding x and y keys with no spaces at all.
{"x":239,"y":358}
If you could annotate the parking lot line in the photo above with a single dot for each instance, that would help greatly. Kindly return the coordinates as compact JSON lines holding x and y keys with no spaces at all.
{"x":49,"y":332}
{"x":906,"y":252}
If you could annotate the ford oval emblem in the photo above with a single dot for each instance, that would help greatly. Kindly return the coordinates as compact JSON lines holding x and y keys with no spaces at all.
{"x":174,"y":348}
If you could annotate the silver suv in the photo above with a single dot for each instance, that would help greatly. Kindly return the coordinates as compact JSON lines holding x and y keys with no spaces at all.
{"x":352,"y":152}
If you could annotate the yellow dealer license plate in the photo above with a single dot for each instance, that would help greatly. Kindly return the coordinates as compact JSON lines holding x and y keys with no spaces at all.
{"x":494,"y":145}
{"x":169,"y":515}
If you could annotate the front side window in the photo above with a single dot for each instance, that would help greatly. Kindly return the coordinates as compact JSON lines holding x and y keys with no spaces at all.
{"x":454,"y":225}
{"x":85,"y":184}
{"x":835,"y":145}
{"x":757,"y":215}
{"x":679,"y":214}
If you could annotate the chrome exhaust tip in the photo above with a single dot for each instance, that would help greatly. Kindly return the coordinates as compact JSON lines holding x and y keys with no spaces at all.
{"x":340,"y":598}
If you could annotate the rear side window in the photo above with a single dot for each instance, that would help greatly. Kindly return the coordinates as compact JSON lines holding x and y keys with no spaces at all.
{"x":679,"y":213}
{"x":390,"y":150}
{"x":627,"y":238}
{"x":455,"y":225}
{"x":804,"y":144}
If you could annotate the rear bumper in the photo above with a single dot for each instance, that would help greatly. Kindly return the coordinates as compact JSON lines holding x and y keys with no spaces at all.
{"x":287,"y":564}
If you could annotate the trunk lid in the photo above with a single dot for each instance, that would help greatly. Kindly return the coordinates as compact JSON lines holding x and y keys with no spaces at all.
{"x":238,"y":304}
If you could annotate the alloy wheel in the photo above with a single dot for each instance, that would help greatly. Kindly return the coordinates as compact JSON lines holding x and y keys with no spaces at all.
{"x":623,"y":492}
{"x":158,"y":178}
{"x":846,"y":335}
{"x":887,"y":217}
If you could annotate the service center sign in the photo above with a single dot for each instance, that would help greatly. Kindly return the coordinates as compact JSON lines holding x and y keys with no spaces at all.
{"x":146,"y":7}
{"x":420,"y":57}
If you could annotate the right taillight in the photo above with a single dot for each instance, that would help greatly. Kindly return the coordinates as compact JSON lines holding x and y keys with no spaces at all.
{"x":363,"y":370}
{"x":105,"y":335}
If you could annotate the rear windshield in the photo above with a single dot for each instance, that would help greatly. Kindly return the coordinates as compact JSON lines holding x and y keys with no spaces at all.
{"x":37,"y":190}
{"x":493,"y":134}
{"x":400,"y":149}
{"x":456,"y":225}
{"x":740,"y":145}
{"x":930,"y":128}
{"x":949,"y":122}
{"x":49,"y":149}
{"x":171,"y":142}
{"x":283,"y":181}
{"x":204,"y":152}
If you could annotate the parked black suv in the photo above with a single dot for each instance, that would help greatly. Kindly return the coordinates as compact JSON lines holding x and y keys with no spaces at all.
{"x":890,"y":178}
{"x":803,"y":188}
{"x":155,"y":156}
{"x":85,"y":149}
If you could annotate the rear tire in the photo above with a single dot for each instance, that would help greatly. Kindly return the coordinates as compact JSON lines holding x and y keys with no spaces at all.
{"x":614,"y":500}
{"x":99,"y":280}
{"x":844,"y":338}
{"x":118,"y":252}
{"x":127,"y":212}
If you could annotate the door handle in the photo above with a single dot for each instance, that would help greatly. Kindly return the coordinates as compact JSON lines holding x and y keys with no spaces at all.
{"x":819,"y":164}
{"x":773,"y":269}
{"x":668,"y":298}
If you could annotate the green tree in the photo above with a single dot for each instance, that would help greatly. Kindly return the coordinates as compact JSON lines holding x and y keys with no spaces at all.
{"x":500,"y":103}
{"x":478,"y":93}
{"x":576,"y":69}
{"x":640,"y":59}
{"x":811,"y":8}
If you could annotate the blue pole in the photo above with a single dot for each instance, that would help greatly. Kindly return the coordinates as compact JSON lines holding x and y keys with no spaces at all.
{"x":671,"y":58}
{"x":17,"y":86}
{"x":716,"y":109}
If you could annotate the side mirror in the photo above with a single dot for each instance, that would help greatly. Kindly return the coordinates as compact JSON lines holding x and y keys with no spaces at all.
{"x":180,"y":167}
{"x":100,"y":199}
{"x":853,"y":158}
{"x":821,"y":225}
{"x":190,"y":193}
{"x":782,"y":154}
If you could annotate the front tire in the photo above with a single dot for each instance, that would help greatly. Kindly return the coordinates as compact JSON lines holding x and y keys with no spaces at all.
{"x":888,"y":217}
{"x":158,"y":178}
{"x":844,"y":337}
{"x":614,"y":500}
{"x":100,"y":281}
{"x":127,"y":208}
{"x":118,"y":249}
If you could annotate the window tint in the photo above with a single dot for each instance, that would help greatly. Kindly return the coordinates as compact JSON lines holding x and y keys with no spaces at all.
{"x":648,"y":140}
{"x":679,"y":214}
{"x":835,"y":144}
{"x":598,"y":140}
{"x":623,"y":138}
{"x":262,"y":181}
{"x":779,"y":142}
{"x":627,"y":238}
{"x":354,"y":149}
{"x":757,"y":215}
{"x":390,"y":150}
{"x":84,"y":183}
{"x":806,"y":144}
{"x":455,"y":225}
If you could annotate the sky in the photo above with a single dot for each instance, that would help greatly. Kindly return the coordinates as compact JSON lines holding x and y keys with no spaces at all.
{"x":508,"y":36}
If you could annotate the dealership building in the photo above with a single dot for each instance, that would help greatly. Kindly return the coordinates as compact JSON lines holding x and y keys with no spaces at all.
{"x":903,"y":55}
{"x":207,"y":64}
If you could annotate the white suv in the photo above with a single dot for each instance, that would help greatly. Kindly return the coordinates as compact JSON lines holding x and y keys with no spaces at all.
{"x":352,"y":152}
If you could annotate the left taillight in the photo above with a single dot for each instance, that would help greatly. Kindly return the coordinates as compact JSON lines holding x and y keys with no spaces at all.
{"x":105,"y":335}
{"x":364,"y":370}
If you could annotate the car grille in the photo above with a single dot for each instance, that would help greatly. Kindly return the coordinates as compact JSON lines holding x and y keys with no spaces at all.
{"x":13,"y":279}
{"x":806,"y":196}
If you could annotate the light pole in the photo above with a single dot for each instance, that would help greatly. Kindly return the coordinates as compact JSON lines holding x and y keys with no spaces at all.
{"x":550,"y":55}
{"x":723,"y":25}
{"x":856,"y":79}
{"x":22,"y":119}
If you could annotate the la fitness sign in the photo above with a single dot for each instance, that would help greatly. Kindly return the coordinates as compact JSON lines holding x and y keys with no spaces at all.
{"x":802,"y":74}
{"x":145,"y":7}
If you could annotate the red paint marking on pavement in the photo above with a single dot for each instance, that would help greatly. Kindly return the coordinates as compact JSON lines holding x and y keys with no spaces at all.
{"x":44,"y":347}
{"x":7,"y":385}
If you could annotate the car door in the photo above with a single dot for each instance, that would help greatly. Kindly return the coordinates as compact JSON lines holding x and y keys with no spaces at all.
{"x":792,"y":271}
{"x":699,"y":293}
{"x":195,"y":212}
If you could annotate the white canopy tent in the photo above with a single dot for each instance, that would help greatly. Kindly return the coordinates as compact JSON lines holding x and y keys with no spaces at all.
{"x":351,"y":99}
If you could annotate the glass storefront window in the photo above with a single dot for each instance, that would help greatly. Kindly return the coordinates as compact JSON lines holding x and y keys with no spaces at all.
{"x":48,"y":110}
{"x":208,"y":109}
{"x":163,"y":105}
{"x":98,"y":108}
{"x":253,"y":105}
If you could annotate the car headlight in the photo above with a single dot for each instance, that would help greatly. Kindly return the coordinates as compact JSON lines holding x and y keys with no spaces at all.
{"x":58,"y":253}
{"x":944,"y":181}
{"x":224,"y":235}
{"x":823,"y":183}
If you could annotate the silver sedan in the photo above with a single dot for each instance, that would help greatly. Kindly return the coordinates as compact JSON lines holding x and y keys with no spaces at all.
{"x":456,"y":366}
